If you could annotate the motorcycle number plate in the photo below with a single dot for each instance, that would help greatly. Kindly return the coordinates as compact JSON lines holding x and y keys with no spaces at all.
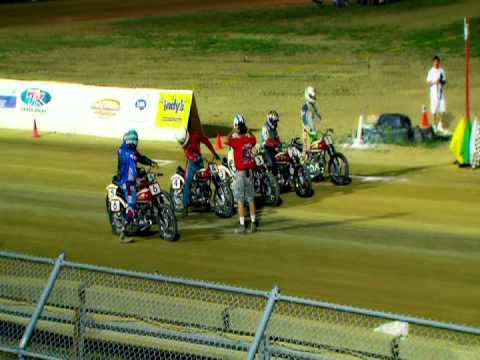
{"x":155,"y":189}
{"x":112,"y":192}
{"x":176,"y":184}
{"x":259,"y":160}
{"x":115,"y":205}
{"x":213,"y":168}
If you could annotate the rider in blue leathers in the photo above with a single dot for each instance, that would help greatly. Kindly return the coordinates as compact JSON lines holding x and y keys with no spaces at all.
{"x":128,"y":157}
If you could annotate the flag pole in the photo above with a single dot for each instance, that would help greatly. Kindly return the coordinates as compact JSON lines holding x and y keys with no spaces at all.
{"x":467,"y":66}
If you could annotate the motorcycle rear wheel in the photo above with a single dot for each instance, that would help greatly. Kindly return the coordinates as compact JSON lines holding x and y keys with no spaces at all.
{"x":224,"y":208}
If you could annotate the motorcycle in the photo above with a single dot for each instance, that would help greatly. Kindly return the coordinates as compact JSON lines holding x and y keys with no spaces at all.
{"x":336,"y":167}
{"x":265,"y":182}
{"x":154,"y":206}
{"x":201,"y":191}
{"x":291,"y":172}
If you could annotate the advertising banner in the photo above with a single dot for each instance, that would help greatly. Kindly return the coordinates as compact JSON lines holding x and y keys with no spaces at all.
{"x":95,"y":110}
{"x":174,"y":109}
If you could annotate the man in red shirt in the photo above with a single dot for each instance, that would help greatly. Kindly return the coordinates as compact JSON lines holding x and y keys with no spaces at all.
{"x":190,"y":142}
{"x":242,"y":142}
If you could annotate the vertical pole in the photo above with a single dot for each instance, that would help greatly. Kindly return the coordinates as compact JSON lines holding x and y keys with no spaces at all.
{"x":41,"y":303}
{"x":467,"y":66}
{"x":263,"y":323}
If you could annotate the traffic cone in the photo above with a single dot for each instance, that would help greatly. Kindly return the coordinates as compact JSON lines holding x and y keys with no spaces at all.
{"x":424,"y":117}
{"x":219,"y":142}
{"x":36,"y":134}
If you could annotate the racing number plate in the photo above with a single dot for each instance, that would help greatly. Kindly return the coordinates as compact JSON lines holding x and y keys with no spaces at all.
{"x":155,"y":189}
{"x":213,"y":168}
{"x":115,"y":205}
{"x":259,"y":160}
{"x":112,"y":191}
{"x":176,"y":184}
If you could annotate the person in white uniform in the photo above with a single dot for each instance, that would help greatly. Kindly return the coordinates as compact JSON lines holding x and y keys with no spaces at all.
{"x":437,"y":79}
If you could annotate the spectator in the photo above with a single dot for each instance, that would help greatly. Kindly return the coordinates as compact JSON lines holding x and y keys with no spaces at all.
{"x":436,"y":80}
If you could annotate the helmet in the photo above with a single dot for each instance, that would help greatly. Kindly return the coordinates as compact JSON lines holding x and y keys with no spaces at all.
{"x":182,"y":137}
{"x":131,"y":137}
{"x":311,"y":94}
{"x":237,"y":120}
{"x":272,"y":119}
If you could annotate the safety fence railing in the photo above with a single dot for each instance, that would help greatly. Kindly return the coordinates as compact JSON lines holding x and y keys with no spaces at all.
{"x":57,"y":309}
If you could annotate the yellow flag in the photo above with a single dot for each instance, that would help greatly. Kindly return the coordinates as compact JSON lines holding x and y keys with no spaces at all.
{"x":456,"y":143}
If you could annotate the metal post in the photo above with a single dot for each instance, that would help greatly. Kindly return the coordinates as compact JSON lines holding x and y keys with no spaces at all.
{"x":41,"y":304}
{"x":79,"y":326}
{"x":259,"y":334}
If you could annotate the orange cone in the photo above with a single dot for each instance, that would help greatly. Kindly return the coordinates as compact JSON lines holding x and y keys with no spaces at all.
{"x":424,"y":117}
{"x":219,"y":142}
{"x":36,"y":134}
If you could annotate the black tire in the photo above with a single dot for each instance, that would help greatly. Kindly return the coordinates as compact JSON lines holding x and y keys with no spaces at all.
{"x":338,"y":169}
{"x":176,"y":201}
{"x":167,"y":222}
{"x":223,"y":208}
{"x":303,"y":184}
{"x":272,"y":190}
{"x":116,"y":219}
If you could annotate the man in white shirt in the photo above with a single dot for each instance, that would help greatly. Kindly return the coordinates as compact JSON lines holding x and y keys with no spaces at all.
{"x":437,"y":79}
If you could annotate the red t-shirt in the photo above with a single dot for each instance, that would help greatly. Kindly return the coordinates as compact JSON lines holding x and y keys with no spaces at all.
{"x":242,"y":146}
{"x":192,"y":149}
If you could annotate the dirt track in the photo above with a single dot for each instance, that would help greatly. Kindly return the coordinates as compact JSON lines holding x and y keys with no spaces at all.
{"x":65,"y":11}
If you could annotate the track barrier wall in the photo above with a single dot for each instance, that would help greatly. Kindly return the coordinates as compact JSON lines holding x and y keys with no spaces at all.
{"x":57,"y":309}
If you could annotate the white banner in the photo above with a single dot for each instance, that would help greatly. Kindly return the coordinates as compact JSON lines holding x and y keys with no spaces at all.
{"x":81,"y":109}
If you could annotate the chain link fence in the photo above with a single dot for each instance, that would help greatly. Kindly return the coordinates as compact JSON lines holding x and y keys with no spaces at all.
{"x":57,"y":309}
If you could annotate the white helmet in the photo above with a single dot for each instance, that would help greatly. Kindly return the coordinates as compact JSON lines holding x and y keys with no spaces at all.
{"x":182,"y":137}
{"x":311,"y":94}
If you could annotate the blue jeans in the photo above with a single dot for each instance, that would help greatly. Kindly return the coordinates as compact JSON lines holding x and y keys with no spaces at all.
{"x":192,"y":168}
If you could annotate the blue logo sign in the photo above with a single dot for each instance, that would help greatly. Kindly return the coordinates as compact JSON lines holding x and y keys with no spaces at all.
{"x":8,"y":102}
{"x":141,"y":104}
{"x":35,"y":98}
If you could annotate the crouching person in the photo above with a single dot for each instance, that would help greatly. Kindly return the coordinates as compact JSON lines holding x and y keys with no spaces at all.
{"x":242,"y":142}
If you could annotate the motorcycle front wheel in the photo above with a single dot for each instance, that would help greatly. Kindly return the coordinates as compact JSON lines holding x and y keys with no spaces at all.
{"x":223,"y":201}
{"x":338,"y":169}
{"x":167,"y":222}
{"x":303,"y":184}
{"x":272,"y":190}
{"x":176,"y":198}
{"x":116,"y":219}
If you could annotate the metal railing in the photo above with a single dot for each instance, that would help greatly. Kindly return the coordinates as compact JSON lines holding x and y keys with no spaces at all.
{"x":57,"y":309}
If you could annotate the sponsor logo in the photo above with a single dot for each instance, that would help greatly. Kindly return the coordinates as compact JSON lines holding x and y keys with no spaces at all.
{"x":141,"y":104}
{"x":35,"y":99}
{"x":174,"y":105}
{"x":8,"y":98}
{"x":106,"y":108}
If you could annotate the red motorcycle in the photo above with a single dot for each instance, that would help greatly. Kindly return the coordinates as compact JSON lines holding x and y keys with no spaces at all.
{"x":154,"y":206}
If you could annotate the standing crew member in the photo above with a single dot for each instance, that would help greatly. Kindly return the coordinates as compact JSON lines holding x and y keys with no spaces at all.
{"x":437,"y":79}
{"x":128,"y":157}
{"x":310,"y":118}
{"x":190,"y":142}
{"x":270,"y":138}
{"x":242,"y":142}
